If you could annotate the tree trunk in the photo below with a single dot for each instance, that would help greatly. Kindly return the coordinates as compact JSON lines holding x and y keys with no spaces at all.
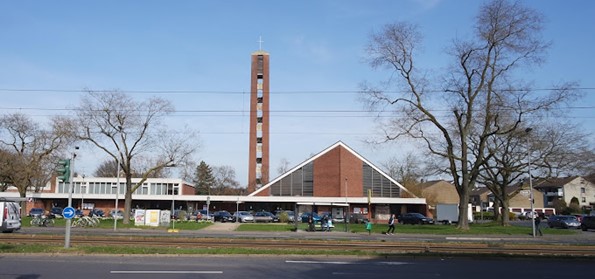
{"x":463,"y":208}
{"x":128,"y":200}
{"x":496,"y":208}
{"x":505,"y":215}
{"x":23,"y":204}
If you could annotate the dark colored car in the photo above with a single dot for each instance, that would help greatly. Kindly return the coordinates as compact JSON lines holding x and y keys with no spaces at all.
{"x":306,"y":215}
{"x":415,"y":218}
{"x":96,"y":212}
{"x":588,"y":223}
{"x":358,"y":218}
{"x":78,"y":213}
{"x":223,"y":216}
{"x":563,"y":221}
{"x":56,"y":211}
{"x":36,"y":212}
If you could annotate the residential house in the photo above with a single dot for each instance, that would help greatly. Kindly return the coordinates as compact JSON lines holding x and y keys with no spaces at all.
{"x":566,"y":188}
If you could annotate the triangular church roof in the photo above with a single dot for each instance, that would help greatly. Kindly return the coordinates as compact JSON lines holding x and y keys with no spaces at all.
{"x":328,"y":149}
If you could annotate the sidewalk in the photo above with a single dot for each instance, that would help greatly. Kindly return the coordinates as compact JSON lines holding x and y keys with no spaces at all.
{"x":222,"y":227}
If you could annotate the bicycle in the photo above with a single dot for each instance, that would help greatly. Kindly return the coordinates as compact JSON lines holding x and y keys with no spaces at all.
{"x":42,"y":221}
{"x":86,"y":221}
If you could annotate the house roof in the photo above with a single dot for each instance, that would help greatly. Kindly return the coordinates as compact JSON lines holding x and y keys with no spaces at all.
{"x":328,"y":149}
{"x":552,"y":182}
{"x":479,"y":190}
{"x":424,"y":185}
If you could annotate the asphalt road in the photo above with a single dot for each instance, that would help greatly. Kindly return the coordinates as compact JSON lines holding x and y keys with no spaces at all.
{"x":286,"y":267}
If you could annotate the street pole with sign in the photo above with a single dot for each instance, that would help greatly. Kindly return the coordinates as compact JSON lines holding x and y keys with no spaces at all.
{"x":68,"y":220}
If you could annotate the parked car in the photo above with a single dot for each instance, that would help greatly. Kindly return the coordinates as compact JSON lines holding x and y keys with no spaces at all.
{"x":78,"y":213}
{"x":358,"y":218}
{"x":118,"y":215}
{"x":527,"y":215}
{"x":414,"y":218}
{"x":588,"y":223}
{"x":181,"y":215}
{"x":338,"y":219}
{"x":36,"y":212}
{"x":264,"y":216}
{"x":243,"y":216}
{"x":563,"y":221}
{"x":200,"y":215}
{"x":290,"y":215}
{"x":96,"y":212}
{"x":306,"y":215}
{"x":10,"y":216}
{"x":223,"y":216}
{"x":56,"y":211}
{"x":205,"y":215}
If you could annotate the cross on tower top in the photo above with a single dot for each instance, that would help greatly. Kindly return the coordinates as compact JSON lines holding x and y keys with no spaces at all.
{"x":260,"y":41}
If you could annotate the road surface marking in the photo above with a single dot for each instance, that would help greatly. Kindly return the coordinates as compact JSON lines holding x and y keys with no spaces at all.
{"x":164,"y":272}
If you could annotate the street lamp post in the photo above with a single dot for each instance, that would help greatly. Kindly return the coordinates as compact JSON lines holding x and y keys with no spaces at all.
{"x":173,"y":198}
{"x":531,"y":198}
{"x":83,"y":195}
{"x":345,"y":215}
{"x":117,"y":193}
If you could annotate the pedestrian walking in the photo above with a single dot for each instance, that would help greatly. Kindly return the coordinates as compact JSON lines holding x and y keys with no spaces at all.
{"x":325,"y":223}
{"x":369,"y":227}
{"x":391,"y":224}
{"x":537,"y":220}
{"x":311,"y":222}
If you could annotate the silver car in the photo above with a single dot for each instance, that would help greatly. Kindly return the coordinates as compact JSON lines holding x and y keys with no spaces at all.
{"x":563,"y":221}
{"x":244,"y":216}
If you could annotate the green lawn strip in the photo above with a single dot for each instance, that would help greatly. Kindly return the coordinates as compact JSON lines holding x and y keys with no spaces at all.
{"x":109,"y":223}
{"x":491,"y":228}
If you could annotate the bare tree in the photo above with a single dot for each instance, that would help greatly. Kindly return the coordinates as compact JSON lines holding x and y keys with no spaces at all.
{"x":549,"y":150}
{"x":408,"y":169}
{"x":456,"y":122}
{"x":29,"y":153}
{"x":283,"y":166}
{"x":225,"y":179}
{"x":109,"y":168}
{"x":125,"y":129}
{"x":507,"y":164}
{"x":560,"y":149}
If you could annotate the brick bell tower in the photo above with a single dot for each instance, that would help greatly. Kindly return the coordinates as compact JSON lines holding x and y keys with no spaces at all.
{"x":258,"y":165}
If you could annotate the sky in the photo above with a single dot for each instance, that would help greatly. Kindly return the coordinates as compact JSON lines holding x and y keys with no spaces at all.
{"x":197,"y":55}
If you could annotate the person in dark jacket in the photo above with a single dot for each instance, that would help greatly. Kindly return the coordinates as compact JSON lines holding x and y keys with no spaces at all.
{"x":537,"y":220}
{"x":391,"y":224}
{"x":310,"y":223}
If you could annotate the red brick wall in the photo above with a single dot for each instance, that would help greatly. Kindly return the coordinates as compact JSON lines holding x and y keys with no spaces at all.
{"x":351,"y":168}
{"x":336,"y":170}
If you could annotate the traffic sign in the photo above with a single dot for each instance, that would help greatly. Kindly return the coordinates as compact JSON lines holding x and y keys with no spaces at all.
{"x":68,"y":212}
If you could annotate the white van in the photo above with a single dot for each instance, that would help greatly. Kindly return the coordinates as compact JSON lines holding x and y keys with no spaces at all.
{"x":10,"y":216}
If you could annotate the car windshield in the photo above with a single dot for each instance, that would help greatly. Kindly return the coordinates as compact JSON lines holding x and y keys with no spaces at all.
{"x":417,"y":215}
{"x":568,"y":218}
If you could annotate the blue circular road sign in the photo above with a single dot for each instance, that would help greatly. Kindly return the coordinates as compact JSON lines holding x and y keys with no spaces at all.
{"x":68,"y":212}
